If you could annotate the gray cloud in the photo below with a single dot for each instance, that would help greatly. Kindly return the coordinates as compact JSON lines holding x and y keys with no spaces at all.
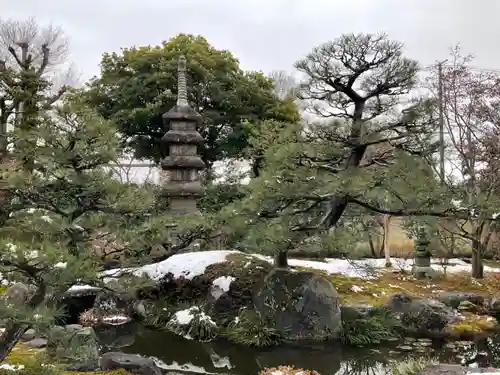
{"x":268,"y":34}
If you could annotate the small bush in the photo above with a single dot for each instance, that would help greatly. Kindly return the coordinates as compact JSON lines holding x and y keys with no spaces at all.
{"x":250,"y":329}
{"x":413,"y":366}
{"x":373,"y":328}
{"x":193,"y":323}
{"x":157,"y":314}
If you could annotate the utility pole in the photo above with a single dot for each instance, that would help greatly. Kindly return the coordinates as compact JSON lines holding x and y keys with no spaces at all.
{"x":441,"y":121}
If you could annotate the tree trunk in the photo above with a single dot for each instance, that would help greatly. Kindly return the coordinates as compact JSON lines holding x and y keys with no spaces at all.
{"x":372,"y":246}
{"x":477,"y":261}
{"x":281,"y":259}
{"x":14,"y":331}
{"x":387,"y":250}
{"x":477,"y":252}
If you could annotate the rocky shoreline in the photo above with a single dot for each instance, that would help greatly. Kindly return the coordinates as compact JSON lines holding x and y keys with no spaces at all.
{"x":243,"y":299}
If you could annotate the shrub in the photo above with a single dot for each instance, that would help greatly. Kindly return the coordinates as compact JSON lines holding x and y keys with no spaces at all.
{"x":373,"y":328}
{"x":193,"y":323}
{"x":157,"y":314}
{"x":250,"y":329}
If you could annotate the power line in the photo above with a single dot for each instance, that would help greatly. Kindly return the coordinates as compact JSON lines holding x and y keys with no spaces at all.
{"x":474,"y":68}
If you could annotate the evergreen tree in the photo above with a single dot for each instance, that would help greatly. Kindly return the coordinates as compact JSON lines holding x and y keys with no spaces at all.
{"x":66,"y":213}
{"x":319,"y":181}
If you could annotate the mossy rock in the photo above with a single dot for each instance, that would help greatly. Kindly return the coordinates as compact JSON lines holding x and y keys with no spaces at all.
{"x":473,"y":323}
{"x":246,"y":270}
{"x":31,"y":358}
{"x":303,"y":305}
{"x":22,"y":354}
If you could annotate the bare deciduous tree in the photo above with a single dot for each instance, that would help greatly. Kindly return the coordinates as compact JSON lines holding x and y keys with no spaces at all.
{"x":285,"y":84}
{"x":28,"y":53}
{"x":471,"y":101}
{"x":42,"y":47}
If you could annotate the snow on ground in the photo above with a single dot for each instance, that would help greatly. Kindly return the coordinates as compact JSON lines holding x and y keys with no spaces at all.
{"x":190,"y":265}
{"x":187,"y":265}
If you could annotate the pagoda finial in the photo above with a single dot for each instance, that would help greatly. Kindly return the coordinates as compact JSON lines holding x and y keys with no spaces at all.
{"x":181,"y":83}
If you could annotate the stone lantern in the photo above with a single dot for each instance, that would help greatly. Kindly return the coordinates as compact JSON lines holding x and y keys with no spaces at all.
{"x":422,"y":258}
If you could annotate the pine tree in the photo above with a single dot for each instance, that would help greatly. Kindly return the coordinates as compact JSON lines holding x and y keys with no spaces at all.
{"x":368,"y":156}
{"x":65,"y":214}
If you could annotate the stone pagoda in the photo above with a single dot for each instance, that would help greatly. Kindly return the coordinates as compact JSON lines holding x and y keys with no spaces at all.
{"x":181,"y":168}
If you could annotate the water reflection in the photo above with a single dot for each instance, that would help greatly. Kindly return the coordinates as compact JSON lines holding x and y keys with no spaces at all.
{"x":177,"y":354}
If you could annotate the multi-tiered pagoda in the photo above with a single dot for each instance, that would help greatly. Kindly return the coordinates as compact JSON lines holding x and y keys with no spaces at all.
{"x":181,"y":168}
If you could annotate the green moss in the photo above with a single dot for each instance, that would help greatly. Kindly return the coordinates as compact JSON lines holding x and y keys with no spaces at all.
{"x":113,"y":372}
{"x":21,"y":354}
{"x":473,"y":324}
{"x":31,"y":358}
{"x":3,"y":289}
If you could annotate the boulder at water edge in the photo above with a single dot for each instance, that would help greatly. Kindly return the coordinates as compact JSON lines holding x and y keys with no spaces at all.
{"x":131,"y":362}
{"x":303,"y":305}
{"x":420,"y":314}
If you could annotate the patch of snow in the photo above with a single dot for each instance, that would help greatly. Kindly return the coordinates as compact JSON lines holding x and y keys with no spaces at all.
{"x":6,"y":366}
{"x":46,"y":218}
{"x":76,"y":288}
{"x":187,"y":265}
{"x":356,"y":289}
{"x":224,"y":282}
{"x":116,"y":319}
{"x":184,"y":317}
{"x":221,"y":285}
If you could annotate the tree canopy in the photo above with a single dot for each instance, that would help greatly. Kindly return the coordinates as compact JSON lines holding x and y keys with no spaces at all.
{"x":368,"y":155}
{"x":138,"y":85}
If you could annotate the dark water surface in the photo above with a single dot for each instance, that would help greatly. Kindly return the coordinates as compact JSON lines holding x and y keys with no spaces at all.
{"x":221,"y":357}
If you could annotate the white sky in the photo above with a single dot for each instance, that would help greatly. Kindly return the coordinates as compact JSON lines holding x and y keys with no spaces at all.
{"x":268,"y":35}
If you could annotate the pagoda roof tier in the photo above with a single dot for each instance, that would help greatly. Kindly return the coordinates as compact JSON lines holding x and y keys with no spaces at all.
{"x":182,"y":162}
{"x":188,"y":137}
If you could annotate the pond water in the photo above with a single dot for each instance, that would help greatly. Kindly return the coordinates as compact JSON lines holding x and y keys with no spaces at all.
{"x":221,"y":357}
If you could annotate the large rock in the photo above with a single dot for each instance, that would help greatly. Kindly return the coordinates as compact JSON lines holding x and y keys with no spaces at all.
{"x":18,"y":293}
{"x":494,"y":307}
{"x":76,"y":301}
{"x":224,"y":287}
{"x":130,"y":362}
{"x":421,"y":314}
{"x":303,"y":305}
{"x":102,"y":303}
{"x":454,"y":299}
{"x":74,"y":343}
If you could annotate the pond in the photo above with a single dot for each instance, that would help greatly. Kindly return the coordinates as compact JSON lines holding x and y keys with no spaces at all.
{"x":220,"y":357}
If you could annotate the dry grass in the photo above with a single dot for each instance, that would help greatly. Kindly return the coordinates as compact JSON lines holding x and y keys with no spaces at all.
{"x":356,"y":290}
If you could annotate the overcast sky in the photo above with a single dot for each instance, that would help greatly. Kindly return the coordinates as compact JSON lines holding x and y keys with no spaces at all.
{"x":268,"y":34}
